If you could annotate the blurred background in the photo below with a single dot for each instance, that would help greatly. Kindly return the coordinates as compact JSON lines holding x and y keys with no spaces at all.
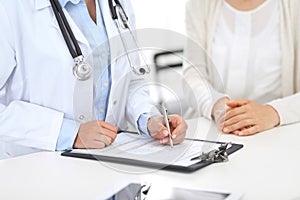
{"x":166,"y":69}
{"x":164,"y":14}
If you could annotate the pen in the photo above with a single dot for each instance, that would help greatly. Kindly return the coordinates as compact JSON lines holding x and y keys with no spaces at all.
{"x":165,"y":114}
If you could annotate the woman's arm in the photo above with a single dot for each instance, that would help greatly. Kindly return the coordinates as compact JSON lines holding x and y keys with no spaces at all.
{"x":199,"y":91}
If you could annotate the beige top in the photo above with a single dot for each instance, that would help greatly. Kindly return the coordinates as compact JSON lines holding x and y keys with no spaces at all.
{"x":201,"y":24}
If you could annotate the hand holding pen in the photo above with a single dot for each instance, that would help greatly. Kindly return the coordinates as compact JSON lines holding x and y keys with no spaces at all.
{"x":159,"y":131}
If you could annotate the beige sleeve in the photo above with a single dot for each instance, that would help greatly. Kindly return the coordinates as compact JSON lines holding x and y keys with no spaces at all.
{"x":199,"y":91}
{"x":288,"y":109}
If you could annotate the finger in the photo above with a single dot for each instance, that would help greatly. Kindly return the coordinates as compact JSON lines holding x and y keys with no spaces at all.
{"x":237,"y":103}
{"x":236,"y":132}
{"x":96,"y":145}
{"x":165,"y":140}
{"x":235,"y":119}
{"x":177,"y":124}
{"x":238,"y":126}
{"x":91,"y":144}
{"x":178,"y":127}
{"x":179,"y":138}
{"x":234,"y":112}
{"x":249,"y":131}
{"x":175,"y":120}
{"x":104,"y":139}
{"x":179,"y":133}
{"x":108,"y":133}
{"x":107,"y":126}
{"x":162,"y":133}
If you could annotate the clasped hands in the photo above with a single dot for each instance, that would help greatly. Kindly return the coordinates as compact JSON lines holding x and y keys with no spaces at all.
{"x":244,"y":117}
{"x":99,"y":134}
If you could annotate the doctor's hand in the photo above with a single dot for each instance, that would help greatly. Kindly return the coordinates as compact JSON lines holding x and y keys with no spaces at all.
{"x":95,"y":135}
{"x":247,"y":118}
{"x":159,"y":131}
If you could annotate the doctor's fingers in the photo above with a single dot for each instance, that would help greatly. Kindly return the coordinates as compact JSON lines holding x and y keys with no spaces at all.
{"x":104,"y":139}
{"x":107,"y":129}
{"x":177,"y":138}
{"x":179,"y":133}
{"x":95,"y":144}
{"x":107,"y":126}
{"x":156,"y":127}
{"x":161,"y":133}
{"x":107,"y":132}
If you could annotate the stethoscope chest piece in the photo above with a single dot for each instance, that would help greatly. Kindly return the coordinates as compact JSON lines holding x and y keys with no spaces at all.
{"x":82,"y":70}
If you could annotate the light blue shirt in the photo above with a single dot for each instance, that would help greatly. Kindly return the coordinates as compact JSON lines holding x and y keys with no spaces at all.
{"x":97,"y":37}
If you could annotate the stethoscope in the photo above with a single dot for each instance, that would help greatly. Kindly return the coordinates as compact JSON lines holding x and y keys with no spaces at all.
{"x":82,"y":70}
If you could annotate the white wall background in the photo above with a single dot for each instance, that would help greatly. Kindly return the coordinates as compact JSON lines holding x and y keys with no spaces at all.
{"x":163,"y":14}
{"x":167,"y":15}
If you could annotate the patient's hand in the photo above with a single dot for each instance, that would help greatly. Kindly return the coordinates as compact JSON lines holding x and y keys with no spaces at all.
{"x":246,"y":117}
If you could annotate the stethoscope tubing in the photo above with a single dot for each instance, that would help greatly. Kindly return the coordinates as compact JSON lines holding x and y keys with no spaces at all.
{"x":66,"y":30}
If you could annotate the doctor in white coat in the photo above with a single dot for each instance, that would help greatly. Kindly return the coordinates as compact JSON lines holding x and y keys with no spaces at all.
{"x":36,"y":80}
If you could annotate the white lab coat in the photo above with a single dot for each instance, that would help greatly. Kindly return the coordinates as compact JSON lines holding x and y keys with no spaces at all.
{"x":36,"y":80}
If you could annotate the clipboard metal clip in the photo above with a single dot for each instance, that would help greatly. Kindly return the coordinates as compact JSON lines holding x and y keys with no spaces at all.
{"x":142,"y":192}
{"x":215,"y":155}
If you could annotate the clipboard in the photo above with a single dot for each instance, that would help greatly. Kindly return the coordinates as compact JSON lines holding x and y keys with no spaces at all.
{"x":150,"y":164}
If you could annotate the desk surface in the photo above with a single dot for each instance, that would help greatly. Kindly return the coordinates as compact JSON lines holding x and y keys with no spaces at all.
{"x":268,"y":167}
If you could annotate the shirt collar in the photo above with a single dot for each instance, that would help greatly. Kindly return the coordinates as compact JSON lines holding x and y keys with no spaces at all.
{"x":63,"y":3}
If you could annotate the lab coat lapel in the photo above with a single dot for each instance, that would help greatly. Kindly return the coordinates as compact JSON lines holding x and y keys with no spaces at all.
{"x":76,"y":31}
{"x":41,"y":4}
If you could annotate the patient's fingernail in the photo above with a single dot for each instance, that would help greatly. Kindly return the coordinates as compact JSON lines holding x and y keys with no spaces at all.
{"x":166,"y":133}
{"x":161,"y":141}
{"x":226,"y":129}
{"x":173,"y":136}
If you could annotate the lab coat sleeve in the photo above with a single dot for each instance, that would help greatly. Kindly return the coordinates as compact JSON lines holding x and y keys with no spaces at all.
{"x":200,"y":94}
{"x":21,"y":122}
{"x":138,"y":102}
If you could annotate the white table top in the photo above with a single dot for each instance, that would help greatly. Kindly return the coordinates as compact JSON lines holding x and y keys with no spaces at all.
{"x":268,"y":167}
